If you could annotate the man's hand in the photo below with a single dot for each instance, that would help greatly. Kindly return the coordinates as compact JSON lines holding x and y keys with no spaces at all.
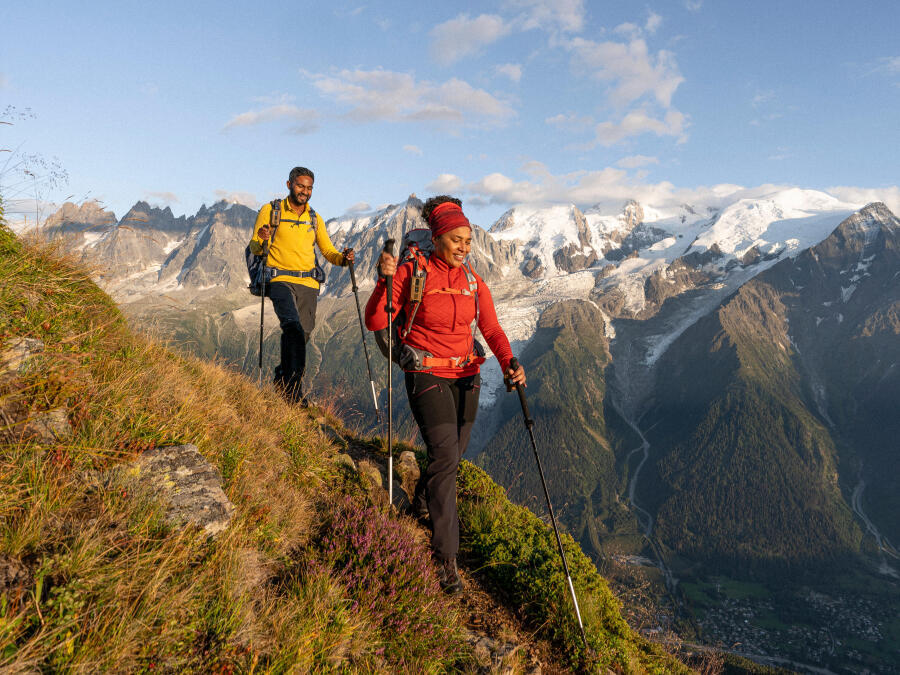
{"x":263,"y":233}
{"x":349,"y":256}
{"x":387,"y":264}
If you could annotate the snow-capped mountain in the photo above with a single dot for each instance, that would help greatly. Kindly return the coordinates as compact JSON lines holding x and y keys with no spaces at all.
{"x":629,"y":262}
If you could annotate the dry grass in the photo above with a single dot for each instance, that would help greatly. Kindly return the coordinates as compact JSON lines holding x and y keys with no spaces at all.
{"x":99,"y":580}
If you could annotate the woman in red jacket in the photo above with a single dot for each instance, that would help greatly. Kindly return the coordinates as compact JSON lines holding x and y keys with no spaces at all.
{"x":442,"y":364}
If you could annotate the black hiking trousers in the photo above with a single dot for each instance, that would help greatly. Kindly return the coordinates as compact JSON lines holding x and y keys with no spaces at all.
{"x":295,"y":306}
{"x":445,"y":411}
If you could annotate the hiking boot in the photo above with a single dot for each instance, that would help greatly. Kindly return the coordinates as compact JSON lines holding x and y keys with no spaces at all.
{"x":448,"y":577}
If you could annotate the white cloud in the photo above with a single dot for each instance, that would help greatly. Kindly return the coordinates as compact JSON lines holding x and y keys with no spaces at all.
{"x":511,"y":70}
{"x":164,"y":198}
{"x":632,"y":70}
{"x":693,"y":5}
{"x":237,"y":197}
{"x":570,"y":122}
{"x":630,"y":30}
{"x":890,"y":195}
{"x":355,"y":11}
{"x":550,"y":15}
{"x":890,"y":65}
{"x":359,"y":207}
{"x":413,"y":150}
{"x":763,"y":96}
{"x":462,"y":36}
{"x":446,"y":183}
{"x":639,"y":122}
{"x":634,"y":32}
{"x":281,"y":111}
{"x":636,"y":161}
{"x":384,"y":95}
{"x":536,"y":169}
{"x":609,"y":187}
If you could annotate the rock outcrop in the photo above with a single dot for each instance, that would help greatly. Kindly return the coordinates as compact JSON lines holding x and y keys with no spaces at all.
{"x":190,"y":486}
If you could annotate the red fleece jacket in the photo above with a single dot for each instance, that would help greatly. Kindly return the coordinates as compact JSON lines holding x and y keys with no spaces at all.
{"x":442,"y":321}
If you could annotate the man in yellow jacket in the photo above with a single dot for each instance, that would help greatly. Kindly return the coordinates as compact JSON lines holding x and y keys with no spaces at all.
{"x":294,"y":293}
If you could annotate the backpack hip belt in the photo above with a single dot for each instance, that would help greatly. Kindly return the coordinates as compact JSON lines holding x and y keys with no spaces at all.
{"x":412,"y":359}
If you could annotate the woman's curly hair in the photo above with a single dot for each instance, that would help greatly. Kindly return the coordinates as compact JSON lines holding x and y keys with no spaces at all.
{"x":433,"y":202}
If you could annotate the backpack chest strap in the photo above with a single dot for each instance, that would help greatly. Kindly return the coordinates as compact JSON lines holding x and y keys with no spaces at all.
{"x":451,"y":291}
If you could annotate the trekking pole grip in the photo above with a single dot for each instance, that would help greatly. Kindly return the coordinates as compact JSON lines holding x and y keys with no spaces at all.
{"x":520,"y":390}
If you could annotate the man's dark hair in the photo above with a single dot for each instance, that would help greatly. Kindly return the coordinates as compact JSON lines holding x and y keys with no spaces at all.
{"x":433,"y":202}
{"x":300,"y":171}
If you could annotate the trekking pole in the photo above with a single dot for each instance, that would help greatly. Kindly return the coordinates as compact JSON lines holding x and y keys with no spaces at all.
{"x":362,"y":331}
{"x":529,"y":424}
{"x":389,"y":249}
{"x":262,"y":305}
{"x":274,"y":222}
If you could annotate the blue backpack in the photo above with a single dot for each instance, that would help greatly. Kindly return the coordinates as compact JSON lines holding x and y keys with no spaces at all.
{"x":261,"y":273}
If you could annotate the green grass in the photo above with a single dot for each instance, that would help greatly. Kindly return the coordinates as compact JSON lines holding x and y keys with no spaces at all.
{"x":770,"y":621}
{"x":740,"y":590}
{"x":519,"y":554}
{"x":696,"y":594}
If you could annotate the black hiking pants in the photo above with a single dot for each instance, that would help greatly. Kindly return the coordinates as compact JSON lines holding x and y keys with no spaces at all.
{"x":445,"y":411}
{"x":295,"y":306}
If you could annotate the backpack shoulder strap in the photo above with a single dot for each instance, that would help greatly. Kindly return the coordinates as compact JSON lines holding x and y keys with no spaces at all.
{"x":419,"y":262}
{"x":274,"y":218}
{"x":473,"y":289}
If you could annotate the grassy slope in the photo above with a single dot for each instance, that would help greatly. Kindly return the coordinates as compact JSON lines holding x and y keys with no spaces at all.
{"x":309,"y":576}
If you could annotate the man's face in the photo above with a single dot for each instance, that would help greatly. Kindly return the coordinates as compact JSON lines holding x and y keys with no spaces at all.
{"x":301,"y":190}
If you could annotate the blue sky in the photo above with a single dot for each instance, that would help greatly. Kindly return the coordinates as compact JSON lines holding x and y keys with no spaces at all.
{"x":499,"y":102}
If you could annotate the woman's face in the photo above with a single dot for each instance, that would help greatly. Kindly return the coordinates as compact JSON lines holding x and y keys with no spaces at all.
{"x":454,"y":246}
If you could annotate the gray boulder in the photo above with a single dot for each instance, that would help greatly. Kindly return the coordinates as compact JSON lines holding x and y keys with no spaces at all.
{"x":190,"y":486}
{"x":16,"y":353}
{"x":50,"y":426}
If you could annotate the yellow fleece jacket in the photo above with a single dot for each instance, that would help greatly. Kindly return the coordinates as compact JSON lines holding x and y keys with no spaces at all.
{"x":292,"y":247}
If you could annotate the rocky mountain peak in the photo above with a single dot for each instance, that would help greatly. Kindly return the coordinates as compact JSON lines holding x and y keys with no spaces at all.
{"x":505,"y":222}
{"x":89,"y":214}
{"x":873,"y":215}
{"x":144,"y":216}
{"x":633,"y":214}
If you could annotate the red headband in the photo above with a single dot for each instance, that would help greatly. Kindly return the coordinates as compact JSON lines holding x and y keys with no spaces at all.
{"x":445,"y":217}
